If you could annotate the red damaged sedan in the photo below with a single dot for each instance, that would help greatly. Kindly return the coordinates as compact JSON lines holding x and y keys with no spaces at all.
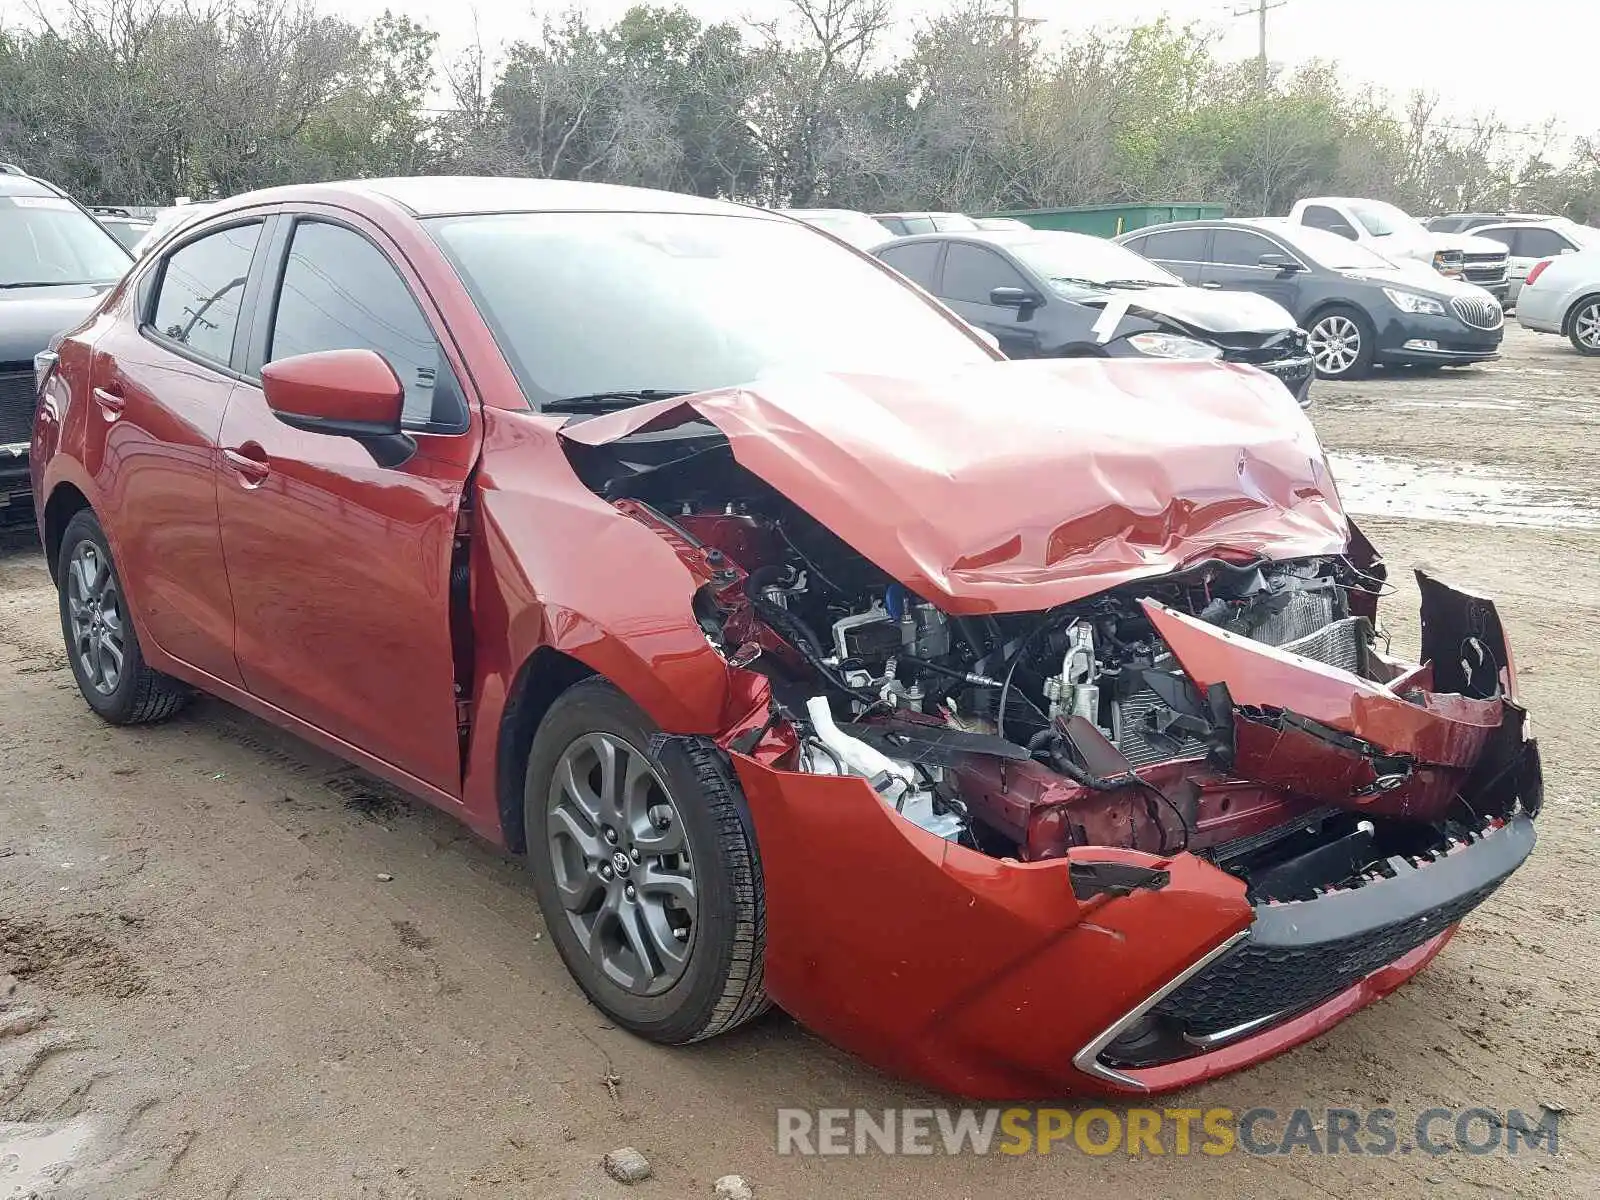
{"x":1024,"y":728}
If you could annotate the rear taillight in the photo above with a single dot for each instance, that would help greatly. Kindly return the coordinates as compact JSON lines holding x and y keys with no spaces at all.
{"x":1535,"y":271}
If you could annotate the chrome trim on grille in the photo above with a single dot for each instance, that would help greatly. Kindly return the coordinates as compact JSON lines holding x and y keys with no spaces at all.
{"x":1088,"y":1061}
{"x":1478,"y":312}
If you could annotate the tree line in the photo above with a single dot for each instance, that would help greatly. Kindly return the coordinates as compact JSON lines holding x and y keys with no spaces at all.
{"x":140,"y":101}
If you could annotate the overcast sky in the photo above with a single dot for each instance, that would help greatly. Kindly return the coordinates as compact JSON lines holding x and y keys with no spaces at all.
{"x":1527,"y":61}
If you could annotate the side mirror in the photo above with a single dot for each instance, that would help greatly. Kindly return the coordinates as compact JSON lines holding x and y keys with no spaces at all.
{"x":344,"y":393}
{"x":1014,"y":297}
{"x":1282,"y":262}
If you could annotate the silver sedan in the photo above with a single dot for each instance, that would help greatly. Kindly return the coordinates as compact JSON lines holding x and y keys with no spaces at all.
{"x":1562,"y":295}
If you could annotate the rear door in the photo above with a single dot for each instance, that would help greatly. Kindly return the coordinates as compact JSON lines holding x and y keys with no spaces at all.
{"x":341,"y":568}
{"x":1181,"y":251}
{"x":1528,"y":245}
{"x":970,"y":273}
{"x":159,"y":388}
{"x":1235,"y":266}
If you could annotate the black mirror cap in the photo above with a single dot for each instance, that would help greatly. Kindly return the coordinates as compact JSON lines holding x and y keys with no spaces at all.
{"x":1282,"y":262}
{"x":1014,"y":297}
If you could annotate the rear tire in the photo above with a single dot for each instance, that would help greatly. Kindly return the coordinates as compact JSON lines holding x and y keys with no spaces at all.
{"x":102,"y":645}
{"x":1583,"y":326}
{"x":645,"y":867}
{"x":1342,"y":343}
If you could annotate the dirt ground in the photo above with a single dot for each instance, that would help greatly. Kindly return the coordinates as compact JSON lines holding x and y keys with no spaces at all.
{"x":257,"y":973}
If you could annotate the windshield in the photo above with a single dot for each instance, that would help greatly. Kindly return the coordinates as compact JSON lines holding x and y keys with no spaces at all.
{"x":1380,"y":219}
{"x":1331,"y":250}
{"x":48,"y":240}
{"x":597,"y":302}
{"x":1078,"y":262}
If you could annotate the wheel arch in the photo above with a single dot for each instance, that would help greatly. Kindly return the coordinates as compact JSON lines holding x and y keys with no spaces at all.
{"x":539,"y":682}
{"x":65,"y":502}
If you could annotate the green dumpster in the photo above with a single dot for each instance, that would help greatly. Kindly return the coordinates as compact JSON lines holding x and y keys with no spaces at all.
{"x":1109,"y":220}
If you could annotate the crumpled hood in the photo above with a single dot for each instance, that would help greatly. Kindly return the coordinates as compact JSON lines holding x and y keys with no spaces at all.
{"x":30,"y":317}
{"x":1202,"y":309}
{"x":1015,"y":486}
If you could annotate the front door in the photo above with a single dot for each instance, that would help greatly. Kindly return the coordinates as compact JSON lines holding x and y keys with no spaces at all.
{"x":1235,"y":266}
{"x":341,"y":568}
{"x":970,"y":274}
{"x":159,"y":393}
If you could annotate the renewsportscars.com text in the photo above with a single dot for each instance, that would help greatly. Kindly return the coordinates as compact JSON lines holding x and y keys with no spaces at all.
{"x":1159,"y":1131}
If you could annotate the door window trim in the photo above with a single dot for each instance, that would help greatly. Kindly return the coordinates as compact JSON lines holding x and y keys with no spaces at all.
{"x":149,"y":293}
{"x":1208,"y":239}
{"x":275,"y":264}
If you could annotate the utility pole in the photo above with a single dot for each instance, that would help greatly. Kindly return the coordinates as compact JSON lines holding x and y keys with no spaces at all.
{"x":1261,"y":8}
{"x":1018,"y":22}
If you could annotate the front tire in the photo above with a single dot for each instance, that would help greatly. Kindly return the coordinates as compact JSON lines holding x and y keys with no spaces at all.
{"x":1583,"y":327}
{"x":645,"y":868}
{"x":102,"y":645}
{"x":1342,"y":343}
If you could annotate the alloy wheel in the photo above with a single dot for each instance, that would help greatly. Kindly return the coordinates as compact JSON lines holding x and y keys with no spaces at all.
{"x":622,"y":865}
{"x":1335,"y":344}
{"x":1586,"y":326}
{"x":99,"y":620}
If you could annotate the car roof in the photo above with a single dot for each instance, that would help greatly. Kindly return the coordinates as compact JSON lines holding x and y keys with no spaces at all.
{"x":451,"y":195}
{"x":822,"y":212}
{"x":923,"y":213}
{"x":995,"y":237}
{"x":25,"y":185}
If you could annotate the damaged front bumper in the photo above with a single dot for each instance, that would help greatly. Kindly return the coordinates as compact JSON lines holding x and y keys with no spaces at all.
{"x":1097,"y":968}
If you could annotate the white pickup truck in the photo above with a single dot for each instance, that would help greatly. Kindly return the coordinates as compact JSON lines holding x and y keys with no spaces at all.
{"x":1400,"y":237}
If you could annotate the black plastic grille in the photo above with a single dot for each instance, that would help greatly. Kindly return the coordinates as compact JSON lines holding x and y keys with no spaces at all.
{"x":1256,"y":981}
{"x":16,"y":404}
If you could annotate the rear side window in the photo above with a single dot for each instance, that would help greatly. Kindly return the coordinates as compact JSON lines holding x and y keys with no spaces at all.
{"x":340,"y":292}
{"x":1503,"y":236}
{"x":917,"y":262}
{"x":971,"y":273}
{"x":1176,"y":245}
{"x":1540,"y":243}
{"x":197,"y":304}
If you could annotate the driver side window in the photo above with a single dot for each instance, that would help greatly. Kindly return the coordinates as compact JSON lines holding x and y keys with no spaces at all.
{"x":339,"y":292}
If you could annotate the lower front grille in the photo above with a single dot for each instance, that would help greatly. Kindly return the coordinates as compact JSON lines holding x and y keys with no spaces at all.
{"x":16,"y":403}
{"x":1256,"y":982}
{"x":1480,"y":312}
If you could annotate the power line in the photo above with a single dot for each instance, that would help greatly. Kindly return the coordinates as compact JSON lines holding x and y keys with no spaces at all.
{"x":1261,"y":8}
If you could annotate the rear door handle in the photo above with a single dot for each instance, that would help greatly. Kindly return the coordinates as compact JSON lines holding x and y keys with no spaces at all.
{"x":109,"y":400}
{"x":250,"y":461}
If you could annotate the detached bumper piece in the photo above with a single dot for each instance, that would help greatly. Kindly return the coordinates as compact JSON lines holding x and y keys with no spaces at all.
{"x":1300,"y":954}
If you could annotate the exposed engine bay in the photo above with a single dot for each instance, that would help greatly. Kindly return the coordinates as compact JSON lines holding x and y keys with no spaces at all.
{"x":1024,"y":735}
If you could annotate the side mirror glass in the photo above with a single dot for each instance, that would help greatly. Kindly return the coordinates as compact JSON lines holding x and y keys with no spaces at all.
{"x":342,"y":393}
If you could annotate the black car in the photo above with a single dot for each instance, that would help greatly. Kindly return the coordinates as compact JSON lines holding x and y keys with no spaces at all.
{"x":1046,"y":294}
{"x":56,"y":261}
{"x":1357,"y":307}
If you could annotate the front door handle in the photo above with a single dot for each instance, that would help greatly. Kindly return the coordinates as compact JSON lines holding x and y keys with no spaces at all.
{"x":250,"y":461}
{"x":109,"y":400}
{"x":1211,"y":283}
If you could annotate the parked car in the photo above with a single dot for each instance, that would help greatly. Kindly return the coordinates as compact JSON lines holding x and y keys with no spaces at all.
{"x":903,"y":224}
{"x":1470,"y":222}
{"x":121,"y":224}
{"x":856,"y":228}
{"x":1396,"y":235}
{"x":1359,"y":308}
{"x":166,"y":221}
{"x":1527,"y":242}
{"x":1562,"y":295}
{"x":1019,"y":726}
{"x":56,"y":262}
{"x":1047,"y":294}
